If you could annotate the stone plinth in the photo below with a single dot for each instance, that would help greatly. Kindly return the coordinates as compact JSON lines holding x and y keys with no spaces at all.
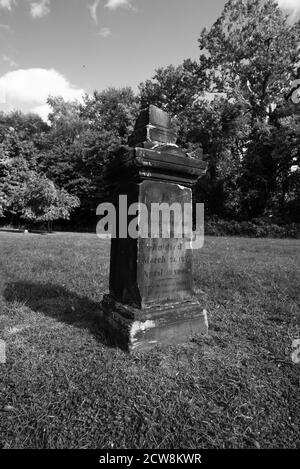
{"x":151,"y":297}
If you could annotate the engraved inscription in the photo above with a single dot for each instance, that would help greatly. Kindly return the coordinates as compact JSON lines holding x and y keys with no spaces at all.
{"x":164,"y":267}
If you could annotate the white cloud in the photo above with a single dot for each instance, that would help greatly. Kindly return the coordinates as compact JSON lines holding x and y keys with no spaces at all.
{"x":8,"y":4}
{"x":39,"y":8}
{"x":114,"y":4}
{"x":43,"y":111}
{"x":93,"y":10}
{"x":9,"y":61}
{"x":104,"y":32}
{"x":292,"y":6}
{"x":28,"y":90}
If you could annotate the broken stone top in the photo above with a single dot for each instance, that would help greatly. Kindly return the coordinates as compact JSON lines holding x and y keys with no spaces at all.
{"x":155,"y":155}
{"x":153,"y":127}
{"x":153,"y":116}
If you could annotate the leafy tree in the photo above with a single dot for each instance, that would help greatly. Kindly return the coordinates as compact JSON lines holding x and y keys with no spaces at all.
{"x":81,"y":137}
{"x":17,"y":157}
{"x":113,"y":110}
{"x":65,"y":119}
{"x":174,"y":88}
{"x":231,"y":102}
{"x":27,"y":126}
{"x":251,"y":53}
{"x":3,"y":175}
{"x":40,"y":200}
{"x":228,"y":102}
{"x":268,"y":184}
{"x":221,"y":129}
{"x":24,"y":190}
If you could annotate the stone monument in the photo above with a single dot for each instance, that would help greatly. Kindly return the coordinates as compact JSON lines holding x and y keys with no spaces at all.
{"x":151,"y":298}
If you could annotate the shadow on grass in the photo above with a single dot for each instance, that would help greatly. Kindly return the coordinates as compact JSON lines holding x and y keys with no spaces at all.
{"x":60,"y":304}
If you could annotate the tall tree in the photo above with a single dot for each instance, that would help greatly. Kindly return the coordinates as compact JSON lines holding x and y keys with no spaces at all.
{"x":251,"y":53}
{"x":74,"y":152}
{"x":41,"y":201}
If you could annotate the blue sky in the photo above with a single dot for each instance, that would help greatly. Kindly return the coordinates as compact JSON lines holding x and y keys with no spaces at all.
{"x":70,"y":46}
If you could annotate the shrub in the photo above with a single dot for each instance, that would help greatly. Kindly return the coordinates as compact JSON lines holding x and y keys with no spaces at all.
{"x":256,"y":228}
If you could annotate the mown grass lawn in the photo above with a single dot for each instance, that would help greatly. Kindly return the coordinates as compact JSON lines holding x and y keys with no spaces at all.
{"x":63,"y":386}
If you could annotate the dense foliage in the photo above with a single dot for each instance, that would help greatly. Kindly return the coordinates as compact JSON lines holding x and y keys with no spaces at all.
{"x":232,"y":102}
{"x":240,"y":114}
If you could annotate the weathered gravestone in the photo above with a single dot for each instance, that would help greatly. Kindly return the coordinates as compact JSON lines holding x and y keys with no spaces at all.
{"x":151,"y":297}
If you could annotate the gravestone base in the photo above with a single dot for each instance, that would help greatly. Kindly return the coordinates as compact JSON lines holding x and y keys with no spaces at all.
{"x":136,"y":330}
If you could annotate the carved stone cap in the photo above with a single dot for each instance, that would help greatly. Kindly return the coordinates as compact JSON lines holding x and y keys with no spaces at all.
{"x":155,"y":155}
{"x":163,"y":164}
{"x":153,"y":127}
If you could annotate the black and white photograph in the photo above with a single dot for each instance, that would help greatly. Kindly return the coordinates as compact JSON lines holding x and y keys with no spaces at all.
{"x":149,"y":230}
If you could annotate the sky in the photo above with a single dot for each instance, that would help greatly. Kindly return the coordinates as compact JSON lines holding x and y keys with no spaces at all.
{"x":68,"y":47}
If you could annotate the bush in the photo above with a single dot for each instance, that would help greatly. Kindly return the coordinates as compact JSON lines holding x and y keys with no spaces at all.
{"x":256,"y":228}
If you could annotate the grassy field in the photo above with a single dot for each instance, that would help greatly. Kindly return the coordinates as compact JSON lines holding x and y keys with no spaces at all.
{"x":63,"y":386}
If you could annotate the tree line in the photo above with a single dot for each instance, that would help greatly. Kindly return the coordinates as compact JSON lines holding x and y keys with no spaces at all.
{"x":232,"y":102}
